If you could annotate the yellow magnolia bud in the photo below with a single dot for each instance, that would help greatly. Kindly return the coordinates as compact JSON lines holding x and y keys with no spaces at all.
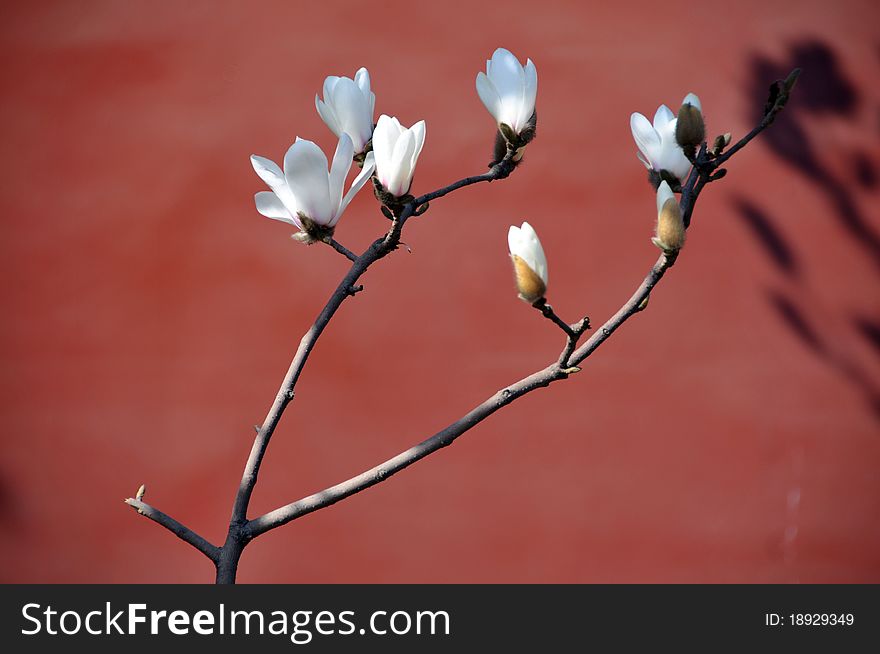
{"x":529,"y":262}
{"x":690,"y":130}
{"x":670,"y":226}
{"x":530,"y":286}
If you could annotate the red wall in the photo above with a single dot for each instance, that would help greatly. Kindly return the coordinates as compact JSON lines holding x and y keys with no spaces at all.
{"x":727,"y":434}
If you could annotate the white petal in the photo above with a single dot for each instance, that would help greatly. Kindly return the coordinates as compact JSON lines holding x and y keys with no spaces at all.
{"x":489,"y":95}
{"x":362,"y":79}
{"x":508,"y":77}
{"x":268,"y":171}
{"x":664,"y":193}
{"x":530,"y":93}
{"x":338,"y":171}
{"x":692,"y":99}
{"x":328,"y":115}
{"x":513,"y":240}
{"x":534,"y":251}
{"x":662,"y":117}
{"x":645,"y":136}
{"x":418,"y":131}
{"x":305,"y":168}
{"x":358,"y":183}
{"x":400,"y":174}
{"x":329,"y":83}
{"x":352,"y":111}
{"x":506,"y":72}
{"x":270,"y":206}
{"x":384,"y":137}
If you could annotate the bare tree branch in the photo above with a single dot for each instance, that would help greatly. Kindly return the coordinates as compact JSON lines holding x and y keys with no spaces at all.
{"x":394,"y":465}
{"x":184,"y":533}
{"x":780,"y":91}
{"x":341,"y":249}
{"x":567,"y":363}
{"x":540,"y":379}
{"x":706,"y":169}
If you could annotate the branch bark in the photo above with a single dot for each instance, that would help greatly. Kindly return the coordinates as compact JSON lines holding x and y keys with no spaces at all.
{"x":182,"y":532}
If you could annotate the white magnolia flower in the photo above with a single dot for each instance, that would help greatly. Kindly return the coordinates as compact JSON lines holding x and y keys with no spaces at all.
{"x":508,"y":89}
{"x":397,"y":150}
{"x":529,"y":262}
{"x":347,"y":107}
{"x":657,"y":145}
{"x":305,"y":193}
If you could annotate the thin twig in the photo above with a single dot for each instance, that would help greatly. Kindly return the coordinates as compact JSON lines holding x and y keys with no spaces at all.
{"x":780,"y":91}
{"x":547,"y":311}
{"x":341,"y":249}
{"x":184,"y":533}
{"x":500,"y":170}
{"x":564,"y":360}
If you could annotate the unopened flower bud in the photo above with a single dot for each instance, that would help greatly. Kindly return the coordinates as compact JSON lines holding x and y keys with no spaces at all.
{"x":509,"y":90}
{"x":529,"y":262}
{"x":670,"y":226}
{"x":719,"y":144}
{"x":791,"y":80}
{"x":397,"y":149}
{"x":690,"y":130}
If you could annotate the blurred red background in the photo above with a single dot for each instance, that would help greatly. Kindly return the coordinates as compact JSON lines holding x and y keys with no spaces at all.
{"x":728,"y":434}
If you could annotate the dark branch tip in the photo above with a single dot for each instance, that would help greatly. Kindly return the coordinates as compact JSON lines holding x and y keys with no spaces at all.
{"x":791,"y":80}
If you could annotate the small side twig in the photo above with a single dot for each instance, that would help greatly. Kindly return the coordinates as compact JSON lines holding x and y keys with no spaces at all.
{"x":547,"y":311}
{"x":501,"y":170}
{"x":780,"y":91}
{"x":341,"y":249}
{"x":571,"y":343}
{"x":181,"y":531}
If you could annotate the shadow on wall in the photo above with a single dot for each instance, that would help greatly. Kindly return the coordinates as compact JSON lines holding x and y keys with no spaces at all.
{"x":823,"y":92}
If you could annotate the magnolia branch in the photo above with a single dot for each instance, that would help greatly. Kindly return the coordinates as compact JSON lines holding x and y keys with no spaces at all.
{"x":701,"y":175}
{"x":540,"y":379}
{"x":238,"y":535}
{"x":226,"y":558}
{"x":706,"y":169}
{"x":341,"y":249}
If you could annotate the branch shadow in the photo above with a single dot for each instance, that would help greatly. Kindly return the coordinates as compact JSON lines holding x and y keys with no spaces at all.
{"x":824,"y":91}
